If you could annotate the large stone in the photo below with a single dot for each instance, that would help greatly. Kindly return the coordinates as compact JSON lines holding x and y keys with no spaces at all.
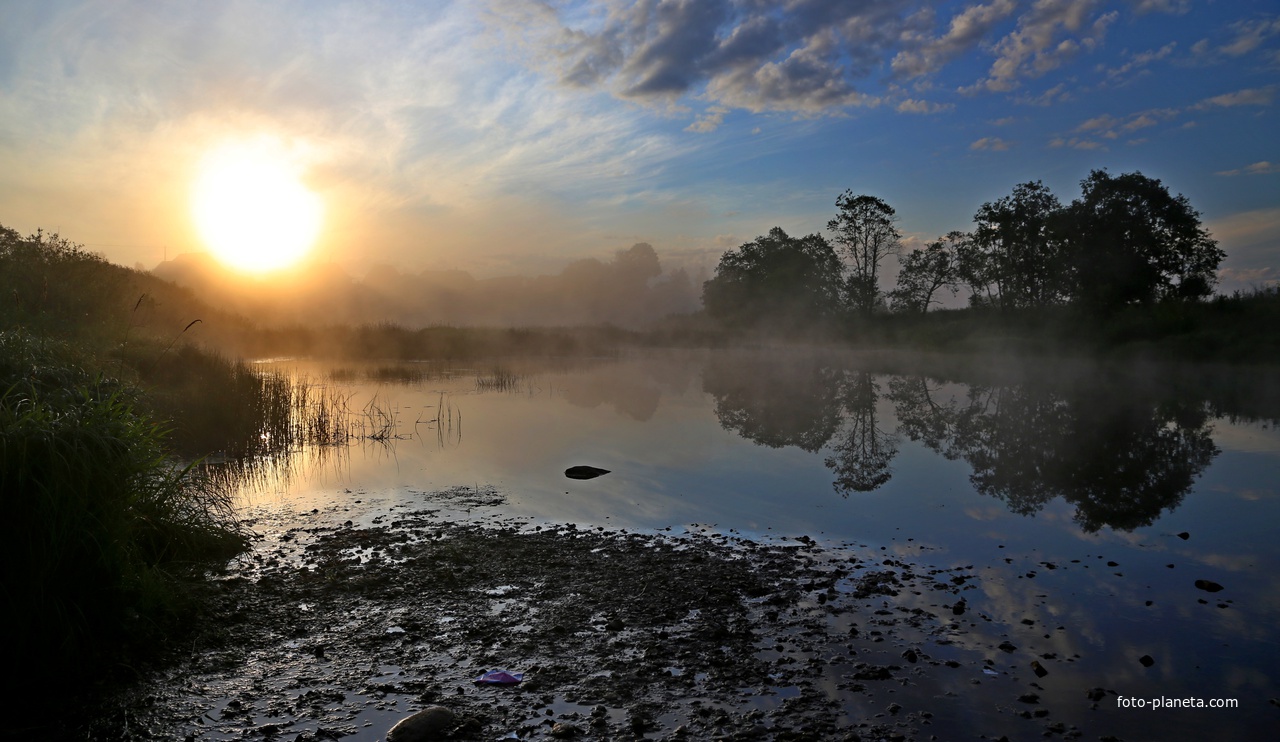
{"x":428,"y":724}
{"x":584,"y":472}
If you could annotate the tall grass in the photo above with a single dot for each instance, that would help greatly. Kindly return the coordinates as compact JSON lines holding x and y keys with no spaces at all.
{"x":99,"y":524}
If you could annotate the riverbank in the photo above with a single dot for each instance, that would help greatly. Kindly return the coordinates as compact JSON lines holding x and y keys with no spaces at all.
{"x":343,"y":620}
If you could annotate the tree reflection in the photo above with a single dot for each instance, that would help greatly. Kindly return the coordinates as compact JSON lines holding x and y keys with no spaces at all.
{"x":807,"y":402}
{"x":1121,"y":454}
{"x":862,"y":451}
{"x":777,"y":401}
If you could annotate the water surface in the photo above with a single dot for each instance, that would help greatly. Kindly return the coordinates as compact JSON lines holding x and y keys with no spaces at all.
{"x":1089,"y":498}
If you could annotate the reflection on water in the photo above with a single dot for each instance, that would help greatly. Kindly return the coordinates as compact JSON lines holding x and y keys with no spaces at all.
{"x":1086,"y":499}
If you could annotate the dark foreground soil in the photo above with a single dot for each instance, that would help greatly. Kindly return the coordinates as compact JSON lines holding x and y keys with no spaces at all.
{"x":336,"y":629}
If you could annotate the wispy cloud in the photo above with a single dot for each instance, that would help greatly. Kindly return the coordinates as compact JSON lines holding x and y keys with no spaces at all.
{"x":993,"y":144}
{"x":1258,"y":168}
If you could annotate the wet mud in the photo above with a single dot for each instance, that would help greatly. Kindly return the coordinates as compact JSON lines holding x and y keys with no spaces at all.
{"x":338,"y":625}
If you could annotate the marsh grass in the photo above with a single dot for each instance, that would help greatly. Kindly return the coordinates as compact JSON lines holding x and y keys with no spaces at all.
{"x":499,"y":379}
{"x":101,"y":527}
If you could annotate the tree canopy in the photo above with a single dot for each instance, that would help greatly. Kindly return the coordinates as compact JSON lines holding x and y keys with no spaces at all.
{"x":776,"y":280}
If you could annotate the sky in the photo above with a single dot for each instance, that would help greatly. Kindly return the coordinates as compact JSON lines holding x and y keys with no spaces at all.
{"x":514,"y":136}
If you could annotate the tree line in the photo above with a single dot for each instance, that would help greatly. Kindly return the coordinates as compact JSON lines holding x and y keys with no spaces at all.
{"x":1126,"y":240}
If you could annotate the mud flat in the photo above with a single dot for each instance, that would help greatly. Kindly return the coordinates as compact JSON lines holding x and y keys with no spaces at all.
{"x":343,"y":621}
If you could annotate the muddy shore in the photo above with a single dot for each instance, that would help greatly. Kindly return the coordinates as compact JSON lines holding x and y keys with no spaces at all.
{"x":338,"y":624}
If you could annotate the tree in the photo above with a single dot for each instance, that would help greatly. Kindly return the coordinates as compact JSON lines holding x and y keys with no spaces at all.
{"x":776,"y":280}
{"x":1015,"y":257}
{"x":864,"y":230}
{"x":1134,"y":243}
{"x":926,"y":271}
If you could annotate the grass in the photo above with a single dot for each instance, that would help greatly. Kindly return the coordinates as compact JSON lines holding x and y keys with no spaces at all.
{"x":101,"y":527}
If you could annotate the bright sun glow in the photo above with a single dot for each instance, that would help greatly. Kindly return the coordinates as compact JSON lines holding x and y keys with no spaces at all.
{"x":252,"y":210}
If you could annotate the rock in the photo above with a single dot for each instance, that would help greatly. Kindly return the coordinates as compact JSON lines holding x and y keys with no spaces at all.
{"x":584,"y":472}
{"x":1208,"y":586}
{"x":1038,"y":669}
{"x":1184,"y":535}
{"x":1146,"y":660}
{"x":1096,"y":694}
{"x":1006,"y":646}
{"x":428,"y":724}
{"x":563,"y":730}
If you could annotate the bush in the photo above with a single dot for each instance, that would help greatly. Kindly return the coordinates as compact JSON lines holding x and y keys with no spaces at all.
{"x":100,"y":525}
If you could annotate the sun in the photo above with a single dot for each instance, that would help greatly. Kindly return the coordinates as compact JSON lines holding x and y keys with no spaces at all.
{"x":251,"y":208}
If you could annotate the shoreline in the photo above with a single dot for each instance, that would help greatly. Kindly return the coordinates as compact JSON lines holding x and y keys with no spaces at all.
{"x":332,"y":628}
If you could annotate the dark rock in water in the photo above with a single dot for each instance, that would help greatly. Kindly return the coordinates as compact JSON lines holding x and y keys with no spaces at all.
{"x":563,"y":730}
{"x":1208,"y":586}
{"x":1006,"y":646}
{"x":428,"y":724}
{"x":1096,"y":694}
{"x":1038,"y":669}
{"x":1184,"y":535}
{"x":584,"y":472}
{"x":1146,"y":660}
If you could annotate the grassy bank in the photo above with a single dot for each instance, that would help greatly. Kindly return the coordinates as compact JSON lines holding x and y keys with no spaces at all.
{"x":101,"y":527}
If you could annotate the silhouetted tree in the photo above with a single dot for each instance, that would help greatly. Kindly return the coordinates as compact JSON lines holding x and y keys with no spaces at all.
{"x":776,"y":280}
{"x":926,"y":271}
{"x":1016,"y":255}
{"x":864,"y":230}
{"x":1134,"y":243}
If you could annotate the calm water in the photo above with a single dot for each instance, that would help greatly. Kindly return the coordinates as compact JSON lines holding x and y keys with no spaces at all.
{"x":1088,"y":498}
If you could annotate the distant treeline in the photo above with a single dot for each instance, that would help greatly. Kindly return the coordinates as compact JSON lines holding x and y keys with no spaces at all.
{"x":1125,"y":241}
{"x":631,"y":290}
{"x":1126,"y":267}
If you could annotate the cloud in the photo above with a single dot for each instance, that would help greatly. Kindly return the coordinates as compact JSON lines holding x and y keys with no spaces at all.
{"x":1046,"y":37}
{"x":1249,"y":35}
{"x":1137,"y":64}
{"x":922,"y":106}
{"x":708,"y":121}
{"x":994,"y":144}
{"x":1076,"y":143}
{"x":967,"y":29}
{"x":1176,"y":7}
{"x":761,"y":56}
{"x":1247,"y":97}
{"x":1258,"y":168}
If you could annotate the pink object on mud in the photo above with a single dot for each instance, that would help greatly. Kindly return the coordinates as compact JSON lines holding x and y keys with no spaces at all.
{"x":500,"y":677}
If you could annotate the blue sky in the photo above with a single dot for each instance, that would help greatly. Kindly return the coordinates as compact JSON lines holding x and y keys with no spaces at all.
{"x":514,"y":136}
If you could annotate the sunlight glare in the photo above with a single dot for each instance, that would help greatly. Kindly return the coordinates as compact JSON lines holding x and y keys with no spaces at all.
{"x":251,"y":208}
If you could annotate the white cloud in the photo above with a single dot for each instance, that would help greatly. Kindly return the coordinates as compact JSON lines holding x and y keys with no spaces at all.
{"x":994,"y":144}
{"x":1176,"y":7}
{"x":708,"y":121}
{"x":1046,"y":37}
{"x":967,"y":29}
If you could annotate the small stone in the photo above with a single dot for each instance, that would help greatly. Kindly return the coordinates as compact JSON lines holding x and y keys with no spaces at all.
{"x":563,"y":730}
{"x":1038,"y":669}
{"x":1184,"y":535}
{"x":910,"y":655}
{"x":1208,"y":586}
{"x":428,"y":724}
{"x":1146,"y":660}
{"x":1006,"y":646}
{"x":1096,"y":694}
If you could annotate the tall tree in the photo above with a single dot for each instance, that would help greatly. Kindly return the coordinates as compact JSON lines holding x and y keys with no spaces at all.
{"x":864,"y":231}
{"x":927,"y":271}
{"x":1134,"y":243}
{"x":1015,"y":257}
{"x":776,"y":280}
